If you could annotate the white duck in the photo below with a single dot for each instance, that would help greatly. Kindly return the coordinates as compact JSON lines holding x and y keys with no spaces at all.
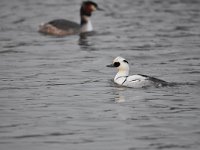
{"x":135,"y":81}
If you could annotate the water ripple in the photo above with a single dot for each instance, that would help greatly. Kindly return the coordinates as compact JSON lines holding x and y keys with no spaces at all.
{"x":57,"y":93}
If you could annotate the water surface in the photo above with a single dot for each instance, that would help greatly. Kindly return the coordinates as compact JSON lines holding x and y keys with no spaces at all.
{"x":56,"y":93}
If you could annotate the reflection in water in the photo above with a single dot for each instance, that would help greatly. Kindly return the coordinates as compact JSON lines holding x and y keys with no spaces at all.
{"x":120,"y":98}
{"x":83,"y":40}
{"x":119,"y":94}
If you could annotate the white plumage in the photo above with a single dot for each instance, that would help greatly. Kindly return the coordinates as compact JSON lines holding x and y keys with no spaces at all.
{"x":137,"y":81}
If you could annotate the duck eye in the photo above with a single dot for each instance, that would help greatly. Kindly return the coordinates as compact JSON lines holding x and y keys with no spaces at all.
{"x":125,"y":61}
{"x":116,"y":64}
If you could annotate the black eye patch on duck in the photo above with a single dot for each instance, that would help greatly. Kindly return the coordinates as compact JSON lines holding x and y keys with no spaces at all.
{"x":116,"y":64}
{"x":125,"y":61}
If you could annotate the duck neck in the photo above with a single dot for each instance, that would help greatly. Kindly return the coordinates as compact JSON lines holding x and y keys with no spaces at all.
{"x":122,"y":73}
{"x":86,"y":24}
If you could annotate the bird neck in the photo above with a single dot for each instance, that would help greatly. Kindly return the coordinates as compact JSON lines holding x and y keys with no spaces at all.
{"x":86,"y":24}
{"x":122,"y":73}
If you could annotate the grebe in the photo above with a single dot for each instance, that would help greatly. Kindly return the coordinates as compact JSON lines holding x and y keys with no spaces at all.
{"x":135,"y":81}
{"x":62,"y":27}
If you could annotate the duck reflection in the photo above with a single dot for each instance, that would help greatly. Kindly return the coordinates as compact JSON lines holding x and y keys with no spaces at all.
{"x":118,"y":92}
{"x":120,"y":99}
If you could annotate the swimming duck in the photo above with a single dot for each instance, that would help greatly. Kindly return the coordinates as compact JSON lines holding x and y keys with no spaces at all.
{"x":136,"y":81}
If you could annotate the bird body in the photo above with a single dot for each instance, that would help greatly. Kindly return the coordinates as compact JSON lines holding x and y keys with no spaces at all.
{"x":62,"y":27}
{"x":137,"y":81}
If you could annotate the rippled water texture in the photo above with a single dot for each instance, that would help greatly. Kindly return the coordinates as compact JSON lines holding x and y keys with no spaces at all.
{"x":56,"y":93}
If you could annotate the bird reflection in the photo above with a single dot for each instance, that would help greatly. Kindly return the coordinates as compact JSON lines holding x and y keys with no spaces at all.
{"x":120,"y":99}
{"x":118,"y":92}
{"x":83,"y":40}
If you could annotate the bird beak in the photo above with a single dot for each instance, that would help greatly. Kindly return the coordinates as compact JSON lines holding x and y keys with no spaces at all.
{"x":100,"y":9}
{"x":111,"y":66}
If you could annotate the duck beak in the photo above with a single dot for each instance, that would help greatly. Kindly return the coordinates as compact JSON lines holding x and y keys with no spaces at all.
{"x":111,"y":66}
{"x":100,"y":9}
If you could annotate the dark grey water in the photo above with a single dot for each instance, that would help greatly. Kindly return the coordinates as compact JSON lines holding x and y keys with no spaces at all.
{"x":56,"y":93}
